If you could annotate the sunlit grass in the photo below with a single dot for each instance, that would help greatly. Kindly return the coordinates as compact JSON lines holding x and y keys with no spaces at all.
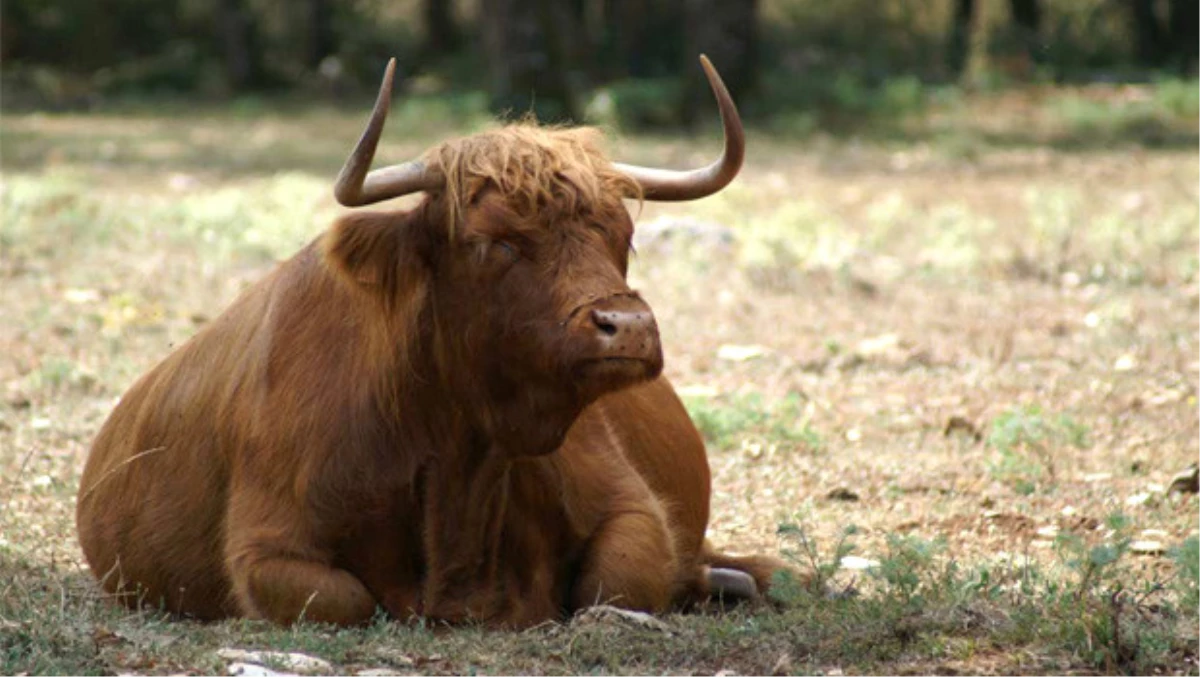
{"x":877,"y":289}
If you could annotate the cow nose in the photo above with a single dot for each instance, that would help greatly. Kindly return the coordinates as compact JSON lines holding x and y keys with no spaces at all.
{"x":625,"y":327}
{"x":610,"y":322}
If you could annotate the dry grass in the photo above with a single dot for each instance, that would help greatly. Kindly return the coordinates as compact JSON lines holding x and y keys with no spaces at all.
{"x":984,"y":348}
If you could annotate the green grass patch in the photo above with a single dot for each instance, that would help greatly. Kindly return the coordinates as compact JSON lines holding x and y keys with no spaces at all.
{"x":1087,"y":608}
{"x":1026,"y":441}
{"x":741,"y":419}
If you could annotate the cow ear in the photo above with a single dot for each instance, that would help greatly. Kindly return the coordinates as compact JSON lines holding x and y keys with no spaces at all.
{"x":375,"y":251}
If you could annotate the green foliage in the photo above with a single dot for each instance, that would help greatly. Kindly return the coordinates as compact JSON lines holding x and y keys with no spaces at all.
{"x":638,"y":104}
{"x":58,"y":374}
{"x":852,"y":66}
{"x":741,"y":418}
{"x":1187,"y":561}
{"x":1094,"y":563}
{"x":908,"y":571}
{"x":1178,"y":97}
{"x":1025,"y":439}
{"x":803,"y":550}
{"x":1152,"y":118}
{"x":1086,"y":606}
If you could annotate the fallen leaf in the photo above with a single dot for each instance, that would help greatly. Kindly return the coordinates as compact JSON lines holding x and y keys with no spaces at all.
{"x":963,"y":425}
{"x":697,"y":390}
{"x":1047,"y":533}
{"x":842,"y":494}
{"x":1147,"y":547}
{"x":1125,"y":363}
{"x":238,"y":669}
{"x":605,"y":614}
{"x":737,"y":353}
{"x":1187,"y":481}
{"x":1140,"y":498}
{"x":856,"y":563}
{"x":290,"y":661}
{"x":81,"y":296}
{"x":878,"y":345}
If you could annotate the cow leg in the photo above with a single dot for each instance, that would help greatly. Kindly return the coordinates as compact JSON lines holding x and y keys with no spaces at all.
{"x":630,"y":562}
{"x":278,"y":574}
{"x":288,"y":590}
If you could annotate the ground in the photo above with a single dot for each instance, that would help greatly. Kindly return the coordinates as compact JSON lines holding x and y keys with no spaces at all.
{"x":974,"y":342}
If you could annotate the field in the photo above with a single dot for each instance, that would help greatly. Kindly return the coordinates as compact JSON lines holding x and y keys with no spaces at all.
{"x":952,"y":369}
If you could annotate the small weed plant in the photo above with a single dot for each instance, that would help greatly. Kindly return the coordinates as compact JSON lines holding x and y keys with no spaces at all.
{"x":1087,"y":605}
{"x":749,"y":420}
{"x":1025,"y":440}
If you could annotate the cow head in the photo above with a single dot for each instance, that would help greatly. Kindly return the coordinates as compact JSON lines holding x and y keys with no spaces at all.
{"x":512,"y":271}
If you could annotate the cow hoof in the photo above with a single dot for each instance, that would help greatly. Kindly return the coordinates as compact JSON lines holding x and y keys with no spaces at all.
{"x":731,"y":584}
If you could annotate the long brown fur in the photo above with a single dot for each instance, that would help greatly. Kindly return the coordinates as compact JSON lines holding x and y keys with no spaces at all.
{"x":533,"y":168}
{"x":423,"y":412}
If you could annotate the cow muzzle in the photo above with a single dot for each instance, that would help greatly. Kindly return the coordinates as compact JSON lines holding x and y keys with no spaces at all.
{"x":621,"y":336}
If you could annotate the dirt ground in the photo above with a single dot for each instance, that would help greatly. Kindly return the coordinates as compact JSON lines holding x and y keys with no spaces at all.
{"x":893,"y":308}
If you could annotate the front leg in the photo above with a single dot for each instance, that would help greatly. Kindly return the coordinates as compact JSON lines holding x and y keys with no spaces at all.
{"x":279,"y":572}
{"x":630,"y":562}
{"x":286,"y":588}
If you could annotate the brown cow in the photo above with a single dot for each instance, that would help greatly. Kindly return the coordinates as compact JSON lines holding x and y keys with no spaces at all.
{"x":454,"y":411}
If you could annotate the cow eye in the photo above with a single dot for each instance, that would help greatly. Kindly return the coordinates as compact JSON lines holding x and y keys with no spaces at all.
{"x":506,"y":249}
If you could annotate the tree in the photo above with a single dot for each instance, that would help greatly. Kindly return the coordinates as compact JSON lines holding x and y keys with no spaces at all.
{"x":1149,"y":39}
{"x":442,"y":35}
{"x":727,"y":31}
{"x":1027,"y":19}
{"x":1184,"y":18}
{"x":641,"y":38}
{"x":237,"y":33}
{"x":960,"y":31}
{"x":528,"y":57}
{"x":971,"y":33}
{"x":322,"y":41}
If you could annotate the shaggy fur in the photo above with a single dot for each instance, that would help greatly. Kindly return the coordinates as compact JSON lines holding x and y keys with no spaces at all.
{"x":454,"y":411}
{"x":553,"y":171}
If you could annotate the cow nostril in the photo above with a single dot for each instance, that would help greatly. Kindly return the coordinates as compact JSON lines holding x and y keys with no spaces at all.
{"x":604,"y":324}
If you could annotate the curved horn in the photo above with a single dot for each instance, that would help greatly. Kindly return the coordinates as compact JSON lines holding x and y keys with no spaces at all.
{"x":665,"y":185}
{"x":355,"y":187}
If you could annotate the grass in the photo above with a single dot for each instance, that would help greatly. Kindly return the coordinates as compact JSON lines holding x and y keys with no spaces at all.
{"x":748,"y":422}
{"x":1027,"y":441}
{"x":976,"y":343}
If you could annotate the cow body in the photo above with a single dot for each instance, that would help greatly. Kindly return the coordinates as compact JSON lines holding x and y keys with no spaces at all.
{"x":454,"y":411}
{"x":190,"y":487}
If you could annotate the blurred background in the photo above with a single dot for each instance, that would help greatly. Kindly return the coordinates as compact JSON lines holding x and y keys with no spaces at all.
{"x":951,"y":298}
{"x":800,"y":65}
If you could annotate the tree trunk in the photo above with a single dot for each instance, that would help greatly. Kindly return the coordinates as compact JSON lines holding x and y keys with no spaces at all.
{"x":525,"y":44}
{"x":442,"y":35}
{"x":1184,"y":27}
{"x":1027,"y":15}
{"x":643,"y":38}
{"x":727,"y":31}
{"x":979,"y":39}
{"x":960,"y":31}
{"x":1148,"y":34}
{"x":321,"y":40}
{"x":238,"y":37}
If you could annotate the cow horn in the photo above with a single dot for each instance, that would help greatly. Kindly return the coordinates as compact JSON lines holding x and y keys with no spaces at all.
{"x":355,"y":187}
{"x":665,"y":185}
